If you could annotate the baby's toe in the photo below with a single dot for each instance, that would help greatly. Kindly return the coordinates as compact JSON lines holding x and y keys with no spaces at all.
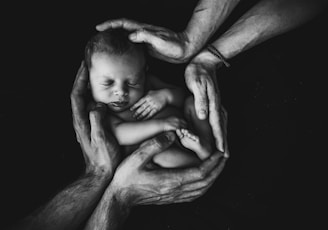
{"x":179,"y":133}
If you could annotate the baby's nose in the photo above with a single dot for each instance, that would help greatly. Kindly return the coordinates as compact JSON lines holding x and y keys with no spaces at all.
{"x":121,"y":92}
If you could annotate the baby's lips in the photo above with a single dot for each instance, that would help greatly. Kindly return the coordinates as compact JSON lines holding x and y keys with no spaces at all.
{"x":119,"y":103}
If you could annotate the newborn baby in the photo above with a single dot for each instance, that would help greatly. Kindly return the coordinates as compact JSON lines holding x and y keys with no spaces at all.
{"x":140,"y":104}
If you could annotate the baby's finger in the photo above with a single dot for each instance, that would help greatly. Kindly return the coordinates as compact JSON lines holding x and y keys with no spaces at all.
{"x":144,"y":113}
{"x":150,"y":114}
{"x":138,"y":104}
{"x":140,"y":110}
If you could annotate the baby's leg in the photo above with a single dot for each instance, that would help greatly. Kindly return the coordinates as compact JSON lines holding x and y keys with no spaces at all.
{"x":176,"y":157}
{"x":202,"y":144}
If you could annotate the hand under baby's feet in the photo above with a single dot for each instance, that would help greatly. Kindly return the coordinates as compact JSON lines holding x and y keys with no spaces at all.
{"x":192,"y":142}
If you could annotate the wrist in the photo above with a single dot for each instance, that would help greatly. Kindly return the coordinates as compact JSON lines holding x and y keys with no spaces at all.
{"x":104,"y":173}
{"x":162,"y":125}
{"x":207,"y":57}
{"x":120,"y":196}
{"x":189,"y":48}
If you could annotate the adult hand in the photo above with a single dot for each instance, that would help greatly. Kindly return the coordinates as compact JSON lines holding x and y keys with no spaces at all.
{"x":100,"y":149}
{"x":136,"y":184}
{"x":200,"y":77}
{"x":162,"y":43}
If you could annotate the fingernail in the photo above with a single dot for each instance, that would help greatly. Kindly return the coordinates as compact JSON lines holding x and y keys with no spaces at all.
{"x":133,"y":36}
{"x":202,"y":114}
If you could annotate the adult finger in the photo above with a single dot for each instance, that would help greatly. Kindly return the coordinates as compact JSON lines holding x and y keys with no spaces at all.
{"x":208,"y":180}
{"x":80,"y":119}
{"x":201,"y":102}
{"x":178,"y":197}
{"x":151,"y":147}
{"x":191,"y":175}
{"x":121,"y":23}
{"x":214,"y":115}
{"x":187,"y":197}
{"x":97,"y":115}
{"x":81,"y":80}
{"x":146,"y":36}
{"x":224,"y":116}
{"x":197,"y":85}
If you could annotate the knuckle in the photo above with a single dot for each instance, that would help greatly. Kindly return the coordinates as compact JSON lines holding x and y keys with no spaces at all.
{"x":202,"y":173}
{"x":156,"y":143}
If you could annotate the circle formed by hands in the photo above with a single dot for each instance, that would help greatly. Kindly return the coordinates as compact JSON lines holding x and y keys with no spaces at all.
{"x":200,"y":74}
{"x":132,"y":182}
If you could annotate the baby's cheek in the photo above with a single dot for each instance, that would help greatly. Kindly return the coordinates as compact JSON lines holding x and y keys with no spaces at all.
{"x":101,"y":96}
{"x":136,"y":94}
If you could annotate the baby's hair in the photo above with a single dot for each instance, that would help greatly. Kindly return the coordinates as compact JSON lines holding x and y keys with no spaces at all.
{"x":110,"y":41}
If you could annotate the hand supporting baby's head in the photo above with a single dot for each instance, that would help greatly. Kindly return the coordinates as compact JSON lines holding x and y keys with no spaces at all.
{"x":117,"y":69}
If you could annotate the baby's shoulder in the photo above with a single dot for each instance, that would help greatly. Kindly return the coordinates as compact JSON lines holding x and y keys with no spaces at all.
{"x":153,"y":83}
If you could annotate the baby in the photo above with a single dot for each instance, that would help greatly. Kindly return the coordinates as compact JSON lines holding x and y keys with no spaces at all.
{"x":140,"y":104}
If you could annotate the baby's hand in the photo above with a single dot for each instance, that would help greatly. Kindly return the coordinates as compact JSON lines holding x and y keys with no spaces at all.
{"x":149,"y":105}
{"x":173,"y":123}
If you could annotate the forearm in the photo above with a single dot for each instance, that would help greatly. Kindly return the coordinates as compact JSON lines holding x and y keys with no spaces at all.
{"x":206,"y":19}
{"x":265,"y":20}
{"x":110,"y":212}
{"x":130,"y":133}
{"x":70,"y":208}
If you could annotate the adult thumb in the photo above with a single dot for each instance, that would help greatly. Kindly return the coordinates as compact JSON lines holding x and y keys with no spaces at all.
{"x":143,"y":35}
{"x":153,"y":146}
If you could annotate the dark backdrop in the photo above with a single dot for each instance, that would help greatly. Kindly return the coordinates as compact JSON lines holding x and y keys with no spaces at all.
{"x":274,"y":95}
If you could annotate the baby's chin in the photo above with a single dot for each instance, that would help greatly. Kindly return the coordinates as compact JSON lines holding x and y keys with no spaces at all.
{"x":118,"y":109}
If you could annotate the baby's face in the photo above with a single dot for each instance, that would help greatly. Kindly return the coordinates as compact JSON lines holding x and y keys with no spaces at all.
{"x":117,"y":80}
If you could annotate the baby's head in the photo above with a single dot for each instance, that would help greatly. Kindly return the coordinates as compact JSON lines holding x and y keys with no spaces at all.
{"x":116,"y":68}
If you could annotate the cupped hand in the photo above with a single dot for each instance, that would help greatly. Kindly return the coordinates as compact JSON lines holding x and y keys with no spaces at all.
{"x":162,"y":43}
{"x":200,"y":77}
{"x":136,"y":184}
{"x":149,"y":105}
{"x":99,"y":147}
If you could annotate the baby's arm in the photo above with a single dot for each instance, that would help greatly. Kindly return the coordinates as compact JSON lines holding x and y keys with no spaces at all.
{"x":130,"y":133}
{"x":156,"y":99}
{"x":174,"y":95}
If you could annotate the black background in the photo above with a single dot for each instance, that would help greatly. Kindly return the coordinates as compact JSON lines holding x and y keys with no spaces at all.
{"x":275,"y":96}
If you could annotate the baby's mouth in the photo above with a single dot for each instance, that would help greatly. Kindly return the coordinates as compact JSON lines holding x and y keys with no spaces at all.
{"x":119,"y":103}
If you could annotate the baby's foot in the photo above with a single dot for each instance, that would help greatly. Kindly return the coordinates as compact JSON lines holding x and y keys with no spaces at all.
{"x":192,"y":142}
